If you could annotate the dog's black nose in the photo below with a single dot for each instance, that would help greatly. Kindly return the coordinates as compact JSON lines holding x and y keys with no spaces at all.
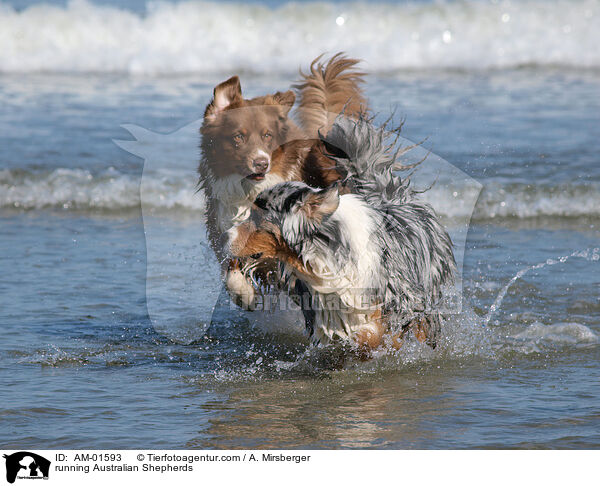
{"x":260,"y":164}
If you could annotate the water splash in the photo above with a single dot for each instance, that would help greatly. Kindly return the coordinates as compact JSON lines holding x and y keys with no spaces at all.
{"x":570,"y":333}
{"x":590,"y":254}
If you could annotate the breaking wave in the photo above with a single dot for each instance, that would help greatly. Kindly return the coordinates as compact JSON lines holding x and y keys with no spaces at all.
{"x":207,"y":37}
{"x":171,"y":190}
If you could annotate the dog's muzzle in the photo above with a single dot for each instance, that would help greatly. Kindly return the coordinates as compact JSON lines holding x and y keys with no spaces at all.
{"x":259,"y":166}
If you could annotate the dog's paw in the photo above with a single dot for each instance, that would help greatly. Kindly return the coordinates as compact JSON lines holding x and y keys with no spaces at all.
{"x":240,"y":290}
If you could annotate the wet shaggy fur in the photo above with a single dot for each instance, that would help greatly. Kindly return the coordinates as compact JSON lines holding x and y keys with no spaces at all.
{"x":249,"y":145}
{"x":374,"y":258}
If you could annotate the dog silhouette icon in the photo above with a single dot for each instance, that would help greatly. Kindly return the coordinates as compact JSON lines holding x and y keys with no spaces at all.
{"x":26,"y":464}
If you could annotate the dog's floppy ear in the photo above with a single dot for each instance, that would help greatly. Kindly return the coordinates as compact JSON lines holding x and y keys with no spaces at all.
{"x":286,"y":100}
{"x":224,"y":95}
{"x":321,"y":203}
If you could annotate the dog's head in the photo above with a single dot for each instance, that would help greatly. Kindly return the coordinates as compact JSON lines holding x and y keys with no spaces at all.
{"x":283,"y":217}
{"x":240,"y":136}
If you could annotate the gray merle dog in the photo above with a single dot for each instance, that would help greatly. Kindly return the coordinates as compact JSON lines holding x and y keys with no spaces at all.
{"x":372,"y":257}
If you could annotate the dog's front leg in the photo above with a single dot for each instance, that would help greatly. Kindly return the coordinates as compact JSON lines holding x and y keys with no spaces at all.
{"x":370,"y":337}
{"x":240,"y":289}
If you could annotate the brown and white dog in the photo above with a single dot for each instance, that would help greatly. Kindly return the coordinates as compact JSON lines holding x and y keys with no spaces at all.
{"x":249,"y":145}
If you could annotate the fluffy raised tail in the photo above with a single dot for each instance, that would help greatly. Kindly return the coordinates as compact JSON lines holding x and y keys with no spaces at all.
{"x":328,"y":90}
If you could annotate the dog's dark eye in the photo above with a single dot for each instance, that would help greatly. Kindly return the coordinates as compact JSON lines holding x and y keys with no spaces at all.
{"x":238,"y":138}
{"x":256,"y":256}
{"x":267,"y":136}
{"x":261,"y":203}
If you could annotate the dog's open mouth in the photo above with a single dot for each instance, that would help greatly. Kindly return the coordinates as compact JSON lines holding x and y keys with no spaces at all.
{"x":257,"y":176}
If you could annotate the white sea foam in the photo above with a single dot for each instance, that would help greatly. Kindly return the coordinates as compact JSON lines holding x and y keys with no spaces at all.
{"x":108,"y":190}
{"x":565,"y":333}
{"x":527,"y":201}
{"x":198,"y":36}
{"x":173,"y":190}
